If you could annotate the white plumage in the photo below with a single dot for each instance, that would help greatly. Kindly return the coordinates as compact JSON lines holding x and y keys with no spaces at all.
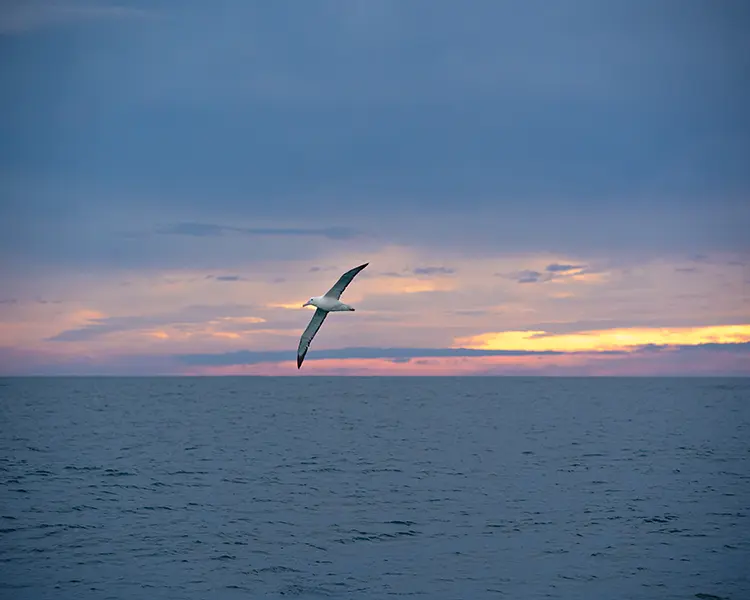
{"x":328,"y":302}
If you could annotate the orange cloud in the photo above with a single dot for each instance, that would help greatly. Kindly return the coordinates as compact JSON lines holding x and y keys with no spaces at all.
{"x":226,"y":334}
{"x":200,"y":332}
{"x":289,"y":305}
{"x":32,"y":326}
{"x":584,"y":278}
{"x":609,"y":339}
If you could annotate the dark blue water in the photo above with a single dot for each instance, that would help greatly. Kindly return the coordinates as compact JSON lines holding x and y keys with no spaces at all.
{"x":195,"y":488}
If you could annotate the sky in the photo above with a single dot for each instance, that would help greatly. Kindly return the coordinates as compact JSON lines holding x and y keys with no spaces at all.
{"x":540,"y":188}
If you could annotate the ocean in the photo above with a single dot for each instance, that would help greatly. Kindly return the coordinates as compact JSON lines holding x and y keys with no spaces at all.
{"x":358,"y":487}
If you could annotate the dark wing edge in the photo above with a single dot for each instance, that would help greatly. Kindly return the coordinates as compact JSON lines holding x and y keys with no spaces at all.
{"x":339,"y":287}
{"x":309,"y":334}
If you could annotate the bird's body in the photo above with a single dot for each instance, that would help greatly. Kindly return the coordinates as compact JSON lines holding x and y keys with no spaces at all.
{"x":329,"y":302}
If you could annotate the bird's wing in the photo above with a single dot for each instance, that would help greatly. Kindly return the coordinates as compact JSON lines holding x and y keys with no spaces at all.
{"x":309,"y":334}
{"x":344,"y":280}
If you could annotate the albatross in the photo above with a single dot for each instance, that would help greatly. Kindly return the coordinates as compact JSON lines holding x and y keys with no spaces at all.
{"x":328,"y":302}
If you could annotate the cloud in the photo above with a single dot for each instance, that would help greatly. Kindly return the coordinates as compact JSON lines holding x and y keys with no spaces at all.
{"x":472,"y":312}
{"x":422,"y":310}
{"x":634,"y":323}
{"x":23,"y":16}
{"x":403,"y":355}
{"x":227,"y":278}
{"x":735,"y":348}
{"x":433,"y":271}
{"x":105,"y":325}
{"x":211,"y":115}
{"x":248,"y":357}
{"x":554,"y":271}
{"x":17,"y":301}
{"x":193,"y":315}
{"x":528,"y":276}
{"x":558,"y":268}
{"x":709,"y":359}
{"x":211,"y":230}
{"x":608,"y":339}
{"x":419,"y":272}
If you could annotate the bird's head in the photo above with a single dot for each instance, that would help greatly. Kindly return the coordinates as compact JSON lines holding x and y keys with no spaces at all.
{"x":308,"y":303}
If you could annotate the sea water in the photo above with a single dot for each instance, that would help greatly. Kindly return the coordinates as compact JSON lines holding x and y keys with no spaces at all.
{"x":356,"y":487}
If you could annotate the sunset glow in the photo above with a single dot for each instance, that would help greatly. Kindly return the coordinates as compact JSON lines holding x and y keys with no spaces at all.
{"x":615,"y":339}
{"x":172,"y":195}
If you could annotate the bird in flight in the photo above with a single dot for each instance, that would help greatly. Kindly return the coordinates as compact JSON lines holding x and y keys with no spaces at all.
{"x":329,"y":302}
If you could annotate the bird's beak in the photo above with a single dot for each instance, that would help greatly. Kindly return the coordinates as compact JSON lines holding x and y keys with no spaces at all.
{"x":305,"y":304}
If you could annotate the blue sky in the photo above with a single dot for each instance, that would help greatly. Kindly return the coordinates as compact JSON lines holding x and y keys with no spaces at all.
{"x":144,"y":141}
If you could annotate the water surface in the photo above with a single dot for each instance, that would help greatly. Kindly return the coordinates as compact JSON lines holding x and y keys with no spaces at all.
{"x":194,"y":488}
